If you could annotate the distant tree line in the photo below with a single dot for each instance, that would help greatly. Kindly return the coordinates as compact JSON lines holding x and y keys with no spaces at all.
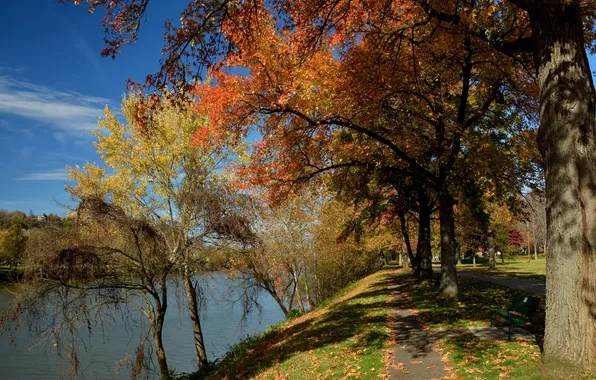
{"x":29,"y":221}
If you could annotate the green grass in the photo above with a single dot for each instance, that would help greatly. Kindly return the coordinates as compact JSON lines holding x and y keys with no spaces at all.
{"x":517,"y":267}
{"x":346,"y":336}
{"x":474,"y":359}
{"x":471,"y":308}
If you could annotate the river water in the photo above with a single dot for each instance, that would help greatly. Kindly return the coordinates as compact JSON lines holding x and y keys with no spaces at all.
{"x":221,"y":321}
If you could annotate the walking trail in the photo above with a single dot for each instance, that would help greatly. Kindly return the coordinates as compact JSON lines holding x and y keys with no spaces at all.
{"x":414,"y":354}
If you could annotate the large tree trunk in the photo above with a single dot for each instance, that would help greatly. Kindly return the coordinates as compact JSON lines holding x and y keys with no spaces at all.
{"x":448,"y":288}
{"x":567,"y":143}
{"x":195,"y":319}
{"x":492,"y":254}
{"x":423,"y":249}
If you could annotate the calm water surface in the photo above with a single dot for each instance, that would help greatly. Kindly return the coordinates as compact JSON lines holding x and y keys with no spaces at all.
{"x":221,"y":321}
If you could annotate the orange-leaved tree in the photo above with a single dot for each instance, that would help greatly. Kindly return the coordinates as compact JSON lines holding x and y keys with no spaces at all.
{"x":511,"y":36}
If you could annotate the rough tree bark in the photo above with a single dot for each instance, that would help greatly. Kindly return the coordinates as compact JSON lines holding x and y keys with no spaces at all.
{"x":448,"y":288}
{"x":567,"y":143}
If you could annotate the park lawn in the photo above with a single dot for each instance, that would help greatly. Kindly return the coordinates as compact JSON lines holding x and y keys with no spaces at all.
{"x":345,"y":337}
{"x":517,"y":267}
{"x":471,"y":309}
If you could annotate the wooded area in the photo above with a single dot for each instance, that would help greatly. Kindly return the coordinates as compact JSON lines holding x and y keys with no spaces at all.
{"x":317,"y":139}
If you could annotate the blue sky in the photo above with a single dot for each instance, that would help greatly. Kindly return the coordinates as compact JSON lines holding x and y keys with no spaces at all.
{"x":53,"y":87}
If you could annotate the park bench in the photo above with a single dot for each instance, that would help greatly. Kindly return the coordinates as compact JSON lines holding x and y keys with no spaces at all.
{"x":520,"y":312}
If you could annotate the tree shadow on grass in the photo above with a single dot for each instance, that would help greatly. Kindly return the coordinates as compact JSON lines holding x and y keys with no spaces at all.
{"x":355,"y":323}
{"x":472,"y":308}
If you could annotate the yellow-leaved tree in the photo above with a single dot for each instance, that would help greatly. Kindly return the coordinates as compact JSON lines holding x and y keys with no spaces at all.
{"x":177,"y":186}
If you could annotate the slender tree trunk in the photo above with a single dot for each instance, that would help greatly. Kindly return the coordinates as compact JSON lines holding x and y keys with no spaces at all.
{"x":448,"y":287}
{"x":423,"y":249}
{"x":406,"y":236}
{"x":161,"y":306}
{"x":317,"y":293}
{"x":492,"y":254}
{"x":567,"y":143}
{"x":534,"y":241}
{"x":279,"y":301}
{"x":529,"y":247}
{"x":195,"y":319}
{"x":164,"y":372}
{"x":309,"y":304}
{"x":458,"y":249}
{"x":298,"y":292}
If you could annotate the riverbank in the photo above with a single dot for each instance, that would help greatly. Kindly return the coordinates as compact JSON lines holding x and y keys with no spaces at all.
{"x":348,"y":335}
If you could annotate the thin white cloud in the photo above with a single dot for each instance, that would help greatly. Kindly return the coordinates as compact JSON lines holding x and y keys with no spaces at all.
{"x":52,"y":175}
{"x":72,"y":113}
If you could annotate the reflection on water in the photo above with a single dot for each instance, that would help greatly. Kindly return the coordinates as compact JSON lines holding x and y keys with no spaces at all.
{"x":221,"y":321}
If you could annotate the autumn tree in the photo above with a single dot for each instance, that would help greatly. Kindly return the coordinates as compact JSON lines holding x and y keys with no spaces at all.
{"x":512,"y":36}
{"x":298,"y":89}
{"x":276,"y":262}
{"x":173,"y":184}
{"x":78,"y":277}
{"x":385,"y":196}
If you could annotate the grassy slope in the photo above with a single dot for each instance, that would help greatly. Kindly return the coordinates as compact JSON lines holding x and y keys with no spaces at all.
{"x":346,"y":336}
